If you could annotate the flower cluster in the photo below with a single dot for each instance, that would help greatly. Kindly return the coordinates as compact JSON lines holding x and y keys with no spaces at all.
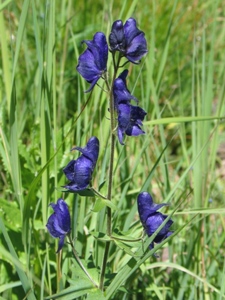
{"x":151,"y":219}
{"x":79,"y":173}
{"x":126,"y":42}
{"x":130,"y":42}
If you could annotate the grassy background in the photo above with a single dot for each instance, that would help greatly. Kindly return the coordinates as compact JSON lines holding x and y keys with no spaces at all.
{"x":180,"y":159}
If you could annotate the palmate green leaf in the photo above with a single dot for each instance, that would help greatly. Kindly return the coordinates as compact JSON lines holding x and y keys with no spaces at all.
{"x":10,"y":213}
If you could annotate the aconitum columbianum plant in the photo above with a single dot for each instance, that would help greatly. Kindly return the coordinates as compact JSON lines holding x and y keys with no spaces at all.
{"x":127,"y":44}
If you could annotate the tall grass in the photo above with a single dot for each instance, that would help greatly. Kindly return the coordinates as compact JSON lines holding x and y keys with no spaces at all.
{"x":180,"y":160}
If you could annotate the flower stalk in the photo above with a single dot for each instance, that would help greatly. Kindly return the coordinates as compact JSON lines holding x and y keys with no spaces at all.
{"x":110,"y":183}
{"x":80,"y":262}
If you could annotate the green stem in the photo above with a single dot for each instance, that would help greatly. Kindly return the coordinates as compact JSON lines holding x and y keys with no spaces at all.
{"x":109,"y":194}
{"x":80,"y":262}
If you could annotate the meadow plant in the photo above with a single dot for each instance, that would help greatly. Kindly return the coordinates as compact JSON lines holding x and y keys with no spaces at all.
{"x":105,"y":120}
{"x":129,"y":43}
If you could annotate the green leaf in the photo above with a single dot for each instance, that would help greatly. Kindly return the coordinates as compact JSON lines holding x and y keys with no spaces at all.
{"x":11,"y":215}
{"x":101,"y":203}
{"x":100,"y":236}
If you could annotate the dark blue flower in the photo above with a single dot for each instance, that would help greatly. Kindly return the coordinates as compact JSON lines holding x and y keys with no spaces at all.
{"x":79,"y":171}
{"x":129,"y":120}
{"x":129,"y":117}
{"x":58,"y":223}
{"x":128,"y":40}
{"x":151,"y":219}
{"x":92,"y":63}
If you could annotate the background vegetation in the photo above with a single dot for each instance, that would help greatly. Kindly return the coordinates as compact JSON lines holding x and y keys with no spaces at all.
{"x":180,"y":160}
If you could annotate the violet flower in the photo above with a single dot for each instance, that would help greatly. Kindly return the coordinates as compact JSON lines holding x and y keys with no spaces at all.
{"x":129,"y":121}
{"x":92,"y":63}
{"x":79,"y":171}
{"x":129,"y":117}
{"x":151,"y":219}
{"x":58,"y":223}
{"x":128,"y":40}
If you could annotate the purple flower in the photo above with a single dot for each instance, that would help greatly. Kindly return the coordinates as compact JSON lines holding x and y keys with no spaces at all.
{"x":92,"y":63}
{"x":151,"y":219}
{"x":128,"y":40}
{"x":58,"y":223}
{"x":129,"y":120}
{"x":129,"y":117}
{"x":79,"y":171}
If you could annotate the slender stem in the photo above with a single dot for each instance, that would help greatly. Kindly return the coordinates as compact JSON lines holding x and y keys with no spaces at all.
{"x":110,"y":185}
{"x":80,"y":262}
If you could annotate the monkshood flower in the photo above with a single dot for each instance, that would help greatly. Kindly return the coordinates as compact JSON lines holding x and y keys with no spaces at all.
{"x":151,"y":219}
{"x":92,"y":62}
{"x":129,"y":117}
{"x":129,"y":120}
{"x":128,"y":40}
{"x":58,"y":223}
{"x":79,"y":171}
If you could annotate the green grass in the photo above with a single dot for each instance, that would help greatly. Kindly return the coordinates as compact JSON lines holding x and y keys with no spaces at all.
{"x":180,"y":159}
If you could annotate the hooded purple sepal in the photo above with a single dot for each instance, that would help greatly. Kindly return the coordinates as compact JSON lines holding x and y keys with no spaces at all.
{"x":129,"y":121}
{"x":128,"y":40}
{"x":92,"y":63}
{"x":58,"y":223}
{"x":120,"y":92}
{"x":151,"y":219}
{"x":79,"y":171}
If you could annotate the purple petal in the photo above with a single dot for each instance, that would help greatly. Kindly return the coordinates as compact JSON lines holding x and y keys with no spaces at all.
{"x":58,"y":223}
{"x":79,"y":171}
{"x":91,"y":150}
{"x":146,"y":206}
{"x":62,"y":216}
{"x":136,"y":45}
{"x":69,"y":170}
{"x":129,"y":120}
{"x":92,"y":63}
{"x":116,"y":37}
{"x":120,"y":91}
{"x":154,"y":221}
{"x":137,"y":49}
